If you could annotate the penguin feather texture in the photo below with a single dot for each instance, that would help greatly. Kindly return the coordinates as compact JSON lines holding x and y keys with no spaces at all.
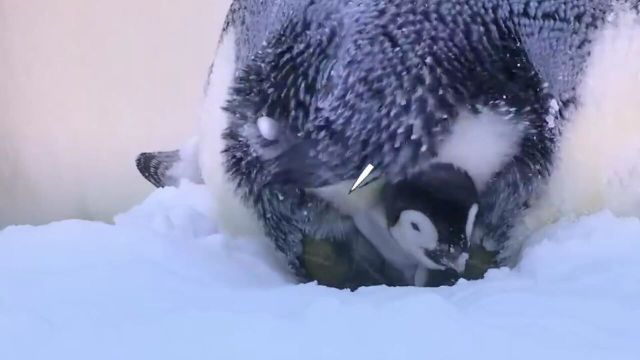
{"x":399,"y":84}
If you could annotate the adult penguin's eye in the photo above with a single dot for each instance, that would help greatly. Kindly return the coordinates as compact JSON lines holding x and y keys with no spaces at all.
{"x":415,"y":226}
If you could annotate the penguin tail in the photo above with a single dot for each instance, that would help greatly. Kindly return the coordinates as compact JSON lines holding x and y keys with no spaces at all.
{"x":154,"y":167}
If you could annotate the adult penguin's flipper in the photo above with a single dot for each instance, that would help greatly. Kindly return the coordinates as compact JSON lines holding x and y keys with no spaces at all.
{"x":156,"y":166}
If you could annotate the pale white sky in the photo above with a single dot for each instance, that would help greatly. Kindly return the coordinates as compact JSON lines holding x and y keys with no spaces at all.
{"x":88,"y":84}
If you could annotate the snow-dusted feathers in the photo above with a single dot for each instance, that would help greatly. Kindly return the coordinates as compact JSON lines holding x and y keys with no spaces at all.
{"x":484,"y":85}
{"x":389,"y":84}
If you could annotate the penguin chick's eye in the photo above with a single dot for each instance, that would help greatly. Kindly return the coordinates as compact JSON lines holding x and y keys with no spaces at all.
{"x":415,"y":226}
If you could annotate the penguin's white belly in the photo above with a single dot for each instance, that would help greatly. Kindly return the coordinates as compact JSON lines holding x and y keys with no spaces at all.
{"x":598,"y":163}
{"x":230,"y":213}
{"x":481,"y":144}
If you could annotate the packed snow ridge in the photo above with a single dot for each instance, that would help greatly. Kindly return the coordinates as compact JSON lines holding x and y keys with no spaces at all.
{"x":163,"y":284}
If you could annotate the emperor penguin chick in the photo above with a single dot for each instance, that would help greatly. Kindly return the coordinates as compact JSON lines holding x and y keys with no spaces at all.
{"x":433,"y":215}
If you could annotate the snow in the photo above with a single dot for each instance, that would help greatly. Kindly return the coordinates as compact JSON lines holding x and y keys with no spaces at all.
{"x":163,"y":284}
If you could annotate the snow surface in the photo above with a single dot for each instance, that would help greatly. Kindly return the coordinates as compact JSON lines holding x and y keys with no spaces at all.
{"x":163,"y":284}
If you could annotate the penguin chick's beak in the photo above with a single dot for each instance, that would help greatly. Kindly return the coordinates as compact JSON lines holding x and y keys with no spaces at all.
{"x":449,"y":258}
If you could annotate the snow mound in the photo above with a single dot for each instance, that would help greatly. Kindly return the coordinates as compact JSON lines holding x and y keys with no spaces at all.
{"x":163,"y":284}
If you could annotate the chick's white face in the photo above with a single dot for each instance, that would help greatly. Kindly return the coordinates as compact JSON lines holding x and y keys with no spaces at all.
{"x":415,"y":232}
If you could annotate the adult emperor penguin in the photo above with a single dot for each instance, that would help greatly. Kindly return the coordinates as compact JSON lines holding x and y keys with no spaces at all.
{"x":165,"y":168}
{"x":395,"y":85}
{"x":250,"y":24}
{"x":403,"y":84}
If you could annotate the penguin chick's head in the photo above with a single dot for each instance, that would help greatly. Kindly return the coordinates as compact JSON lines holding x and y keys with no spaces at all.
{"x":432,"y":215}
